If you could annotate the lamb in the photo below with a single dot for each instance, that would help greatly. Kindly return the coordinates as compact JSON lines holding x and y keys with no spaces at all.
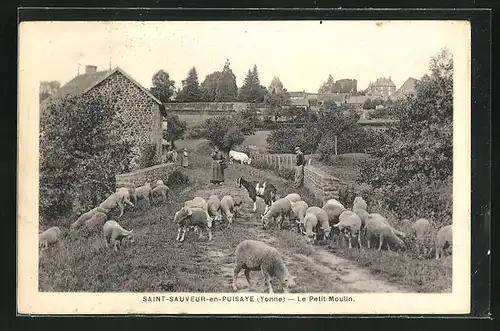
{"x":86,"y":216}
{"x":322,"y":217}
{"x":293,"y":197}
{"x":144,"y":192}
{"x":117,"y":199}
{"x":160,"y":190}
{"x":96,"y":220}
{"x":214,"y":207}
{"x":350,"y":224}
{"x":298,"y":212}
{"x":265,"y":191}
{"x":333,"y":209}
{"x":49,"y":237}
{"x":378,"y":226}
{"x":281,"y":208}
{"x":228,"y":207}
{"x":252,"y":255}
{"x":239,"y":156}
{"x":359,"y":203}
{"x":444,"y":240}
{"x":420,"y":230}
{"x":310,"y":222}
{"x":192,"y":217}
{"x":114,"y":234}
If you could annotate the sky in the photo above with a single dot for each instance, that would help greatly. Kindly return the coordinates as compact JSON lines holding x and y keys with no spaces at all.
{"x":301,"y":53}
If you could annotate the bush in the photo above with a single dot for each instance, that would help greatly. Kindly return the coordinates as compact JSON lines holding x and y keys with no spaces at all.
{"x":147,"y":156}
{"x":195,"y":132}
{"x":283,"y":140}
{"x":223,"y":131}
{"x":355,"y":140}
{"x":177,"y":178}
{"x":81,"y":150}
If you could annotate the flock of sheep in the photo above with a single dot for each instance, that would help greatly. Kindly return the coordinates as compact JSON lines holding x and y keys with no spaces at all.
{"x":331,"y":221}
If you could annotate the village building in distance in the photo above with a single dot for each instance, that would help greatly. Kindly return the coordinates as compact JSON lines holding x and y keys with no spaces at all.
{"x":140,"y":111}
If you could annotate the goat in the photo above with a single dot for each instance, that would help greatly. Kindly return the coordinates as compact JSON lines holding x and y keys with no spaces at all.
{"x":265,"y":190}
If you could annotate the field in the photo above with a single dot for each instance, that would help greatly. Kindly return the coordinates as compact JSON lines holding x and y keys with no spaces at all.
{"x":155,"y":262}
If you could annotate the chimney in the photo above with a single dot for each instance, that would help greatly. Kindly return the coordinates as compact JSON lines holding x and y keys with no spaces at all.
{"x":90,"y":69}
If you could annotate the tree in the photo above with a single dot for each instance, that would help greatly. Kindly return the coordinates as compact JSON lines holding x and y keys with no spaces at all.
{"x":251,"y":90}
{"x":47,"y":88}
{"x":190,"y":91}
{"x":415,"y":164}
{"x":368,"y":104}
{"x":226,"y":90}
{"x":163,"y":87}
{"x":247,"y":119}
{"x":175,"y":129}
{"x":81,"y":151}
{"x":209,"y":86}
{"x":327,"y":86}
{"x":223,"y":131}
{"x":277,"y":98}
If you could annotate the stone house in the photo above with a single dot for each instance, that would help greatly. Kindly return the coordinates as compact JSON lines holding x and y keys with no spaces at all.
{"x":408,"y":88}
{"x":140,"y":111}
{"x":383,"y":87}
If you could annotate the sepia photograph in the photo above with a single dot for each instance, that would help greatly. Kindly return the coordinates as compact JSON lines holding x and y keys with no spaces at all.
{"x":236,"y":167}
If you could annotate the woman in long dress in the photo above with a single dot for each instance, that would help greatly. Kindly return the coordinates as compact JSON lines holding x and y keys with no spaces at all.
{"x":218,"y":166}
{"x":185,"y":162}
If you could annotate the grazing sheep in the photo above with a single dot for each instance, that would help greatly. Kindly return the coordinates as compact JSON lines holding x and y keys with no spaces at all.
{"x":350,"y":225}
{"x":49,"y":237}
{"x":359,"y":203}
{"x":444,"y":240}
{"x":144,"y":192}
{"x":197,"y":202}
{"x":130,"y":188}
{"x":406,"y":226}
{"x":252,"y":255}
{"x":114,"y":234}
{"x":86,"y":216}
{"x":214,"y":207}
{"x":377,"y":226}
{"x":363,"y":215}
{"x":333,"y":209}
{"x":310,"y":222}
{"x":322,"y":217}
{"x":192,"y":217}
{"x":117,"y":199}
{"x":281,"y":208}
{"x":293,"y":197}
{"x":160,"y":190}
{"x":298,"y":212}
{"x":239,"y":156}
{"x":96,"y":220}
{"x":229,"y":208}
{"x":420,"y":233}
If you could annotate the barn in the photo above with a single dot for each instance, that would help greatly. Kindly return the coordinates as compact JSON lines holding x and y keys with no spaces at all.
{"x":140,"y":111}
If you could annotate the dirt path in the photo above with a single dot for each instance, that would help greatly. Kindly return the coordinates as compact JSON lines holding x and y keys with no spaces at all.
{"x":316,"y":269}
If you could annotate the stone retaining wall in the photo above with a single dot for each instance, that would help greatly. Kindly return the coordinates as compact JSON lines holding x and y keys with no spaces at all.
{"x":150,"y":174}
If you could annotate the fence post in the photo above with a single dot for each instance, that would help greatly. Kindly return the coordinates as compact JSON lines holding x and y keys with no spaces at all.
{"x":279,"y":162}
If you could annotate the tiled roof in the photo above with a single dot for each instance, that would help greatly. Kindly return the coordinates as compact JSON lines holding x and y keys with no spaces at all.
{"x":300,"y":102}
{"x":383,"y":81}
{"x":300,"y":94}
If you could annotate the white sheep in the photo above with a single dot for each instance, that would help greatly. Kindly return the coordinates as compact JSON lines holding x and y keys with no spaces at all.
{"x":144,"y":192}
{"x":49,"y":237}
{"x":350,"y":225}
{"x":130,"y":188}
{"x":293,"y":197}
{"x":406,"y":226}
{"x":228,"y":207}
{"x":114,"y":234}
{"x":160,"y":190}
{"x":117,"y":199}
{"x":252,"y":255}
{"x":197,"y":202}
{"x":378,"y":226}
{"x":298,"y":212}
{"x":444,"y":240}
{"x":310,"y":222}
{"x":239,"y":156}
{"x":323,"y":222}
{"x":86,"y":216}
{"x":281,"y":208}
{"x":333,"y":209}
{"x":192,"y":217}
{"x":420,"y":233}
{"x":359,"y":203}
{"x":96,"y":220}
{"x":214,"y":207}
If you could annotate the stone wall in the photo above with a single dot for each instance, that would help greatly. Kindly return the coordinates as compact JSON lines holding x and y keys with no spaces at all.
{"x":139,"y":113}
{"x":320,"y":183}
{"x":151,"y":174}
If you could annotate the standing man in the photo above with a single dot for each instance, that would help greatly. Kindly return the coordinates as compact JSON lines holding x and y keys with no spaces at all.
{"x":299,"y":168}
